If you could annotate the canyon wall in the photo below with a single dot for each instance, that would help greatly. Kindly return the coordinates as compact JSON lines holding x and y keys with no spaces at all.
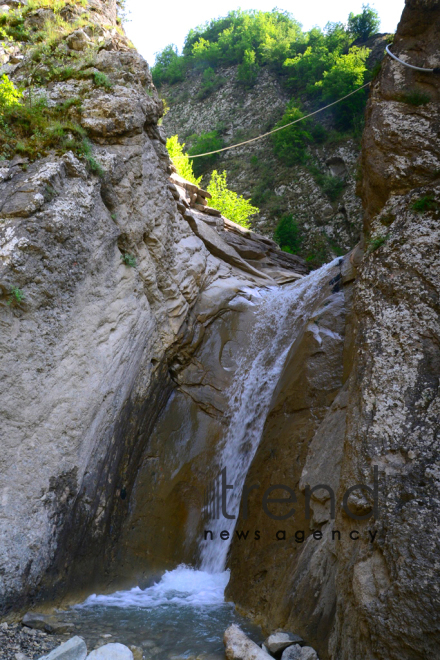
{"x":136,"y":307}
{"x":363,"y":599}
{"x":102,"y":261}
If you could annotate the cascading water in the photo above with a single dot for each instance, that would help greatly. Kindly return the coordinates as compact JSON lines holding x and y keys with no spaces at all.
{"x":282,"y":317}
{"x":185,"y":613}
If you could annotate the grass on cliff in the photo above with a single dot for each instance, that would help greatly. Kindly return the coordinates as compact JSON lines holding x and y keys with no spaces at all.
{"x":31,"y":128}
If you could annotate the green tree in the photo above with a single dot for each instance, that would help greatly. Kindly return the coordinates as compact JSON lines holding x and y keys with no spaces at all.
{"x":363,"y":25}
{"x":247,"y":72}
{"x":347,"y":73}
{"x":287,"y":235}
{"x":290,"y":144}
{"x":168,"y":67}
{"x":181,"y":160}
{"x":233,"y":206}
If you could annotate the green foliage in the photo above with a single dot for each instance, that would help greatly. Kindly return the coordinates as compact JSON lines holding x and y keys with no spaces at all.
{"x":333,"y":187}
{"x":247,"y":38}
{"x":290,"y":144}
{"x":424,"y":204}
{"x":247,"y":72}
{"x":414,"y":97}
{"x":347,"y":73}
{"x":204,"y":143}
{"x":129,"y":260}
{"x":181,"y":160}
{"x":287,"y":235}
{"x":319,"y":63}
{"x":319,"y":250}
{"x":16,"y":296}
{"x":9,"y":95}
{"x":210,"y":83}
{"x":169,"y":67}
{"x":376,"y":242}
{"x":33,"y":129}
{"x":101,"y":80}
{"x":318,"y":133}
{"x":233,"y":206}
{"x":363,"y":25}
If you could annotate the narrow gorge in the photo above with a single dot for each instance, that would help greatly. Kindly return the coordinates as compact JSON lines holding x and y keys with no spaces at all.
{"x":155,"y":353}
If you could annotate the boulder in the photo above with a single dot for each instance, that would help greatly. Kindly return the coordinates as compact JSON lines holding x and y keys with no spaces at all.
{"x":74,"y":649}
{"x":277,"y":642}
{"x":111,"y":652}
{"x":44,"y":622}
{"x":35,"y":620}
{"x":78,"y":40}
{"x":240,"y":647}
{"x":219,"y":248}
{"x":296,"y":652}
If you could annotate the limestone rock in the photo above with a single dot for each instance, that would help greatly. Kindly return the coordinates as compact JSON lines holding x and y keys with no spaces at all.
{"x":297,"y":652}
{"x":279,"y":641}
{"x":111,"y":652}
{"x":219,"y":248}
{"x":74,"y":649}
{"x":78,"y":40}
{"x":240,"y":647}
{"x":35,"y":620}
{"x":138,"y":653}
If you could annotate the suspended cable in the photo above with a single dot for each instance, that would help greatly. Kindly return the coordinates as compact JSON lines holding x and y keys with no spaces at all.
{"x":280,"y":128}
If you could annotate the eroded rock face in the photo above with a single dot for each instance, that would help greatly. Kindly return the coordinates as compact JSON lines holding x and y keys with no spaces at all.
{"x":110,"y":271}
{"x":374,"y":598}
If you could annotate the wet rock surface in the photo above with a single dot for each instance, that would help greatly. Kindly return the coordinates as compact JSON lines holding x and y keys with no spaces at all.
{"x":377,"y":596}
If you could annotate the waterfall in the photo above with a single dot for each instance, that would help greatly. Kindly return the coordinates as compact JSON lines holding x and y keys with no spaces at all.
{"x":282,"y":316}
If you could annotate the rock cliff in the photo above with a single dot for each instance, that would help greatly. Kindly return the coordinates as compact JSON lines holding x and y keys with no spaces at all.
{"x":100,"y":272}
{"x":363,"y":599}
{"x":125,"y":306}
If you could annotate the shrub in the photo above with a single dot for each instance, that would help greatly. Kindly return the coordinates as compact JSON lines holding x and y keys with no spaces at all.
{"x":376,"y":243}
{"x":247,"y":72}
{"x":332,"y":186}
{"x":210,"y":83}
{"x":101,"y":80}
{"x":424,"y":204}
{"x":414,"y":97}
{"x":181,"y":160}
{"x":363,"y":25}
{"x":9,"y":95}
{"x":129,"y":260}
{"x":233,"y":206}
{"x":290,"y":143}
{"x":16,"y":296}
{"x":287,"y":235}
{"x":318,"y":133}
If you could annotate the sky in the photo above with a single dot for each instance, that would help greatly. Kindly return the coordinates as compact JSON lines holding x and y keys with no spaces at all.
{"x":154,"y":25}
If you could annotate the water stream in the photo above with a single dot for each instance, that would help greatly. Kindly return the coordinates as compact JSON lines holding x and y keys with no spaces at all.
{"x":185,"y":614}
{"x":282,"y":317}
